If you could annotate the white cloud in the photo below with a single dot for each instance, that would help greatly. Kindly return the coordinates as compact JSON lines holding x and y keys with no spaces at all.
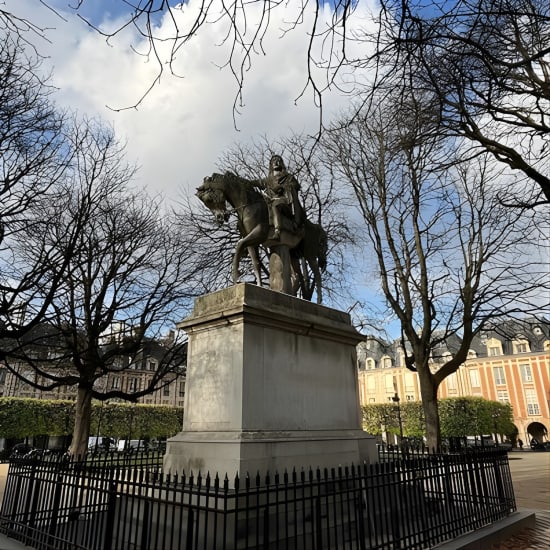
{"x":184,"y":124}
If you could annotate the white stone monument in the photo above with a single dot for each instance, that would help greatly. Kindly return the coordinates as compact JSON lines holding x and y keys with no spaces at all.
{"x":271,"y":385}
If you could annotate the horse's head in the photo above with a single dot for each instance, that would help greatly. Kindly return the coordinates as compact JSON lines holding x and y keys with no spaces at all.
{"x":212,"y":195}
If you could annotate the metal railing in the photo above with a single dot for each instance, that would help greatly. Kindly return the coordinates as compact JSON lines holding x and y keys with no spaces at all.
{"x":414,"y":502}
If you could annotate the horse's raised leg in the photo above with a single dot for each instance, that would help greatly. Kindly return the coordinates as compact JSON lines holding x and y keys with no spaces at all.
{"x":235,"y":273}
{"x":254,"y":238}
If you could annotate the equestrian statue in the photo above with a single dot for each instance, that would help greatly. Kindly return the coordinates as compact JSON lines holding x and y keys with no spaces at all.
{"x":270,"y":214}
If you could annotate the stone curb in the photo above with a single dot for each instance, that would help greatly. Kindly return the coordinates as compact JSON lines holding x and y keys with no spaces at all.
{"x":481,"y":539}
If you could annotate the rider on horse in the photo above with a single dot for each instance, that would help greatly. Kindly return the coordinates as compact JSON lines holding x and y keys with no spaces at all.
{"x":281,"y":191}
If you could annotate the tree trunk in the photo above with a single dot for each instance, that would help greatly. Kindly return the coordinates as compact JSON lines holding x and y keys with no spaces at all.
{"x":81,"y":430}
{"x":428,"y":389}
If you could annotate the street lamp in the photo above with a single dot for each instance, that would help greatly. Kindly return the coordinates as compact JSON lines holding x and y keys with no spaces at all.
{"x":396,"y":400}
{"x":385,"y":430}
{"x":496,"y":416}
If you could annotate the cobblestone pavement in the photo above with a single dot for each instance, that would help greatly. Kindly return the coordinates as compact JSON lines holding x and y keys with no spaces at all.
{"x":537,"y":538}
{"x":531,"y":478}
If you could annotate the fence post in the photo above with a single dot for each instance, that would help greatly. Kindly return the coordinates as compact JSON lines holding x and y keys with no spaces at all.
{"x":503,"y":501}
{"x":318,"y":524}
{"x":266,"y":527}
{"x":30,"y":491}
{"x":111,"y":510}
{"x":359,"y":507}
{"x":55,"y":507}
{"x":146,"y":525}
{"x":190,"y":522}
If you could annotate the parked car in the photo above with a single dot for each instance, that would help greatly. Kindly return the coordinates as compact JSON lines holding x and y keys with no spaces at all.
{"x":130,"y":445}
{"x":20,"y":450}
{"x":537,"y":445}
{"x":23,"y":450}
{"x":483,"y":441}
{"x":101,"y":444}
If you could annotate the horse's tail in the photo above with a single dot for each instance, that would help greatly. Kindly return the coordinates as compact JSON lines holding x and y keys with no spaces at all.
{"x":323,"y":249}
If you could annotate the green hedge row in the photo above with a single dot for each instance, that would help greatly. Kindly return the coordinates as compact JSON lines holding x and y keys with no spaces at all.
{"x":21,"y":418}
{"x":459,"y":417}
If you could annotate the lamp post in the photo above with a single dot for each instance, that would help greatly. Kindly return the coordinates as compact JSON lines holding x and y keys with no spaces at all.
{"x":385,"y":430}
{"x":496,"y":416}
{"x":396,"y":400}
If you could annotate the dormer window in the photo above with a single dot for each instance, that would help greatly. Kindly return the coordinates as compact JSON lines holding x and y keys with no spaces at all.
{"x":494,"y":347}
{"x":521,"y":345}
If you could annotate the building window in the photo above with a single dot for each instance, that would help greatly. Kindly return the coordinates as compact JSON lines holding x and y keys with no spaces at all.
{"x":386,"y":362}
{"x":410,"y":397}
{"x":532,"y":403}
{"x":372,"y":399}
{"x":151,"y":364}
{"x":472,"y":354}
{"x":182,"y":389}
{"x":115,"y":383}
{"x":166,"y":391}
{"x":409,"y":382}
{"x":370,"y":363}
{"x":494,"y":347}
{"x":474,"y":378}
{"x":521,"y":346}
{"x":134,"y":384}
{"x":371,"y":384}
{"x":502,"y":396}
{"x":451,"y":382}
{"x":526,"y":374}
{"x":498,"y":373}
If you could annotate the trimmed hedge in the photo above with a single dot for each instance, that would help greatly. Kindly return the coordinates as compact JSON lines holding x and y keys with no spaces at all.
{"x":459,"y":417}
{"x":20,"y":418}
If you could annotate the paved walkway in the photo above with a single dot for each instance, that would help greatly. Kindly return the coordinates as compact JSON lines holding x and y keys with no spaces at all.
{"x":531,"y":478}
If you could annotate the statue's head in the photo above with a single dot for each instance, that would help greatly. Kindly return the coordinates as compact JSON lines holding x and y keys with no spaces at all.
{"x":276,"y":165}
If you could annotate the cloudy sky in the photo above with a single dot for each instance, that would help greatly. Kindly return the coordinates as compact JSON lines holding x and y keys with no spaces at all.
{"x":179,"y":131}
{"x":185,"y":123}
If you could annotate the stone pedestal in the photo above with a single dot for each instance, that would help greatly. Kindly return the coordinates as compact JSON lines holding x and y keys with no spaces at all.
{"x":271,"y":385}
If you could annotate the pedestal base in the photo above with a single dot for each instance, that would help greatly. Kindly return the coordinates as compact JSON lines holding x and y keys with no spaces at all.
{"x":250,"y":453}
{"x":271,"y":385}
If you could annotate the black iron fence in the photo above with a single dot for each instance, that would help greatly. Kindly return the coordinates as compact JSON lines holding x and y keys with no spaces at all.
{"x":414,"y":502}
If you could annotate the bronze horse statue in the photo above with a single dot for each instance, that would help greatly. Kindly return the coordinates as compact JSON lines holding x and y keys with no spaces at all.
{"x":308,"y":244}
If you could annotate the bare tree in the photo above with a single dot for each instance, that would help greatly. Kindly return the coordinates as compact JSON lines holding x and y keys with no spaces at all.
{"x":486,"y":65}
{"x":129,"y":281}
{"x":32,"y":160}
{"x":164,"y":28}
{"x":450,"y":256}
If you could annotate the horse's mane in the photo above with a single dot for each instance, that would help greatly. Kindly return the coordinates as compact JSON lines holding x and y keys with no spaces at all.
{"x":250,"y":186}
